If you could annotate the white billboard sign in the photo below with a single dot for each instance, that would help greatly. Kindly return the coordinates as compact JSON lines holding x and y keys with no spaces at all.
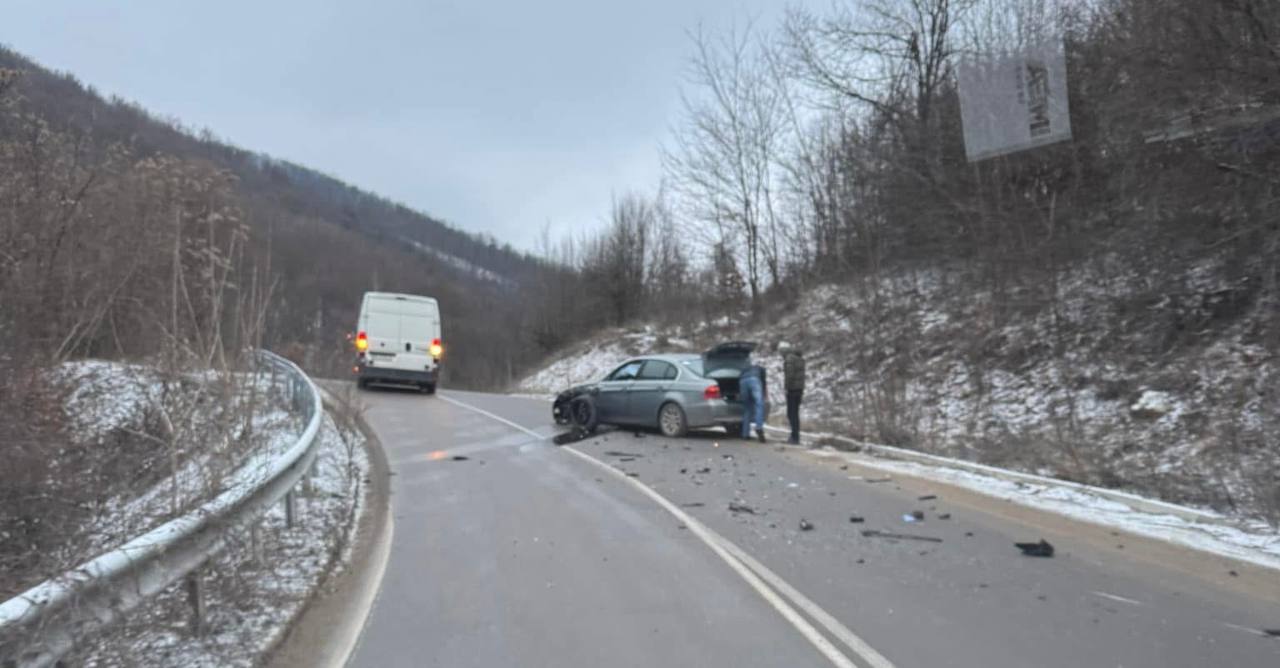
{"x":1014,"y":101}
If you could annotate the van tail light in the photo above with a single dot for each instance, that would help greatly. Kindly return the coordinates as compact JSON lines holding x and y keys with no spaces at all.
{"x":437,"y":349}
{"x":712,"y":392}
{"x":362,"y":342}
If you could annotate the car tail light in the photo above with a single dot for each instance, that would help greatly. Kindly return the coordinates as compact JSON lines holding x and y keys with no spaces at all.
{"x":436,"y":348}
{"x":712,"y":392}
{"x":362,"y":342}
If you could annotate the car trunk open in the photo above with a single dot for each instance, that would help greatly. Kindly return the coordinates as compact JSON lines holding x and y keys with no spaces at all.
{"x":725,"y":363}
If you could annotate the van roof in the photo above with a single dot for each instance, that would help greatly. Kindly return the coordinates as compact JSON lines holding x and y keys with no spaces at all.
{"x":398,"y":295}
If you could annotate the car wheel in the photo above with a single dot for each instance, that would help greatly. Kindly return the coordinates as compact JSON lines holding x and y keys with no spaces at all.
{"x":671,"y":420}
{"x":582,"y":411}
{"x":429,"y":388}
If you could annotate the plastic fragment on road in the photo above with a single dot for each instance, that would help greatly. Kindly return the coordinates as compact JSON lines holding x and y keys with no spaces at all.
{"x":741,"y":508}
{"x":873,"y":533}
{"x":460,"y":458}
{"x":572,"y":436}
{"x":927,"y":497}
{"x":1041,"y":549}
{"x":857,"y":519}
{"x":805,"y":525}
{"x":944,"y":516}
{"x":913,"y":516}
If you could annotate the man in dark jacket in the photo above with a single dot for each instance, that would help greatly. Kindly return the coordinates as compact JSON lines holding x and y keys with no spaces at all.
{"x":793,"y":382}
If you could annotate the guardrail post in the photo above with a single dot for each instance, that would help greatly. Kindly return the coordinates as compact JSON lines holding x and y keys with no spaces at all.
{"x":288,"y":509}
{"x":307,"y":488}
{"x":255,"y":544}
{"x":195,"y":597}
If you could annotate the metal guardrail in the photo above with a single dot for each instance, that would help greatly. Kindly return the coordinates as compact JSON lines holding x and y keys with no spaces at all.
{"x":1134,"y":501}
{"x":45,"y":622}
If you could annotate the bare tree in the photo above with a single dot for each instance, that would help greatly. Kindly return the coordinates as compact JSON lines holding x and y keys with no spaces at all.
{"x":723,"y":158}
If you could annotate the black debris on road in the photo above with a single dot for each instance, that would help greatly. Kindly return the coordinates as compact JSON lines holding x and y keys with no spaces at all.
{"x":460,"y":458}
{"x":857,"y":519}
{"x":805,"y":525}
{"x":741,"y":508}
{"x":927,"y":497}
{"x":944,"y":516}
{"x":1041,"y":549}
{"x":873,"y":533}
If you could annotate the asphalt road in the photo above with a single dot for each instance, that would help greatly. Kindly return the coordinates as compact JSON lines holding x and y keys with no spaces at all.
{"x":526,"y":554}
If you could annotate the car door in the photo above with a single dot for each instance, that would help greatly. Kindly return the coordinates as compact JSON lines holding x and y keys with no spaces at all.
{"x":647,"y":391}
{"x":611,"y":399}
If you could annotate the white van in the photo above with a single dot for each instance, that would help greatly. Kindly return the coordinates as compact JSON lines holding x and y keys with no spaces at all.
{"x":398,"y":340}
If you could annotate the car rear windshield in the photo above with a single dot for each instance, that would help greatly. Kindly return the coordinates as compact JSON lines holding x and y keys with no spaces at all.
{"x":693,"y":365}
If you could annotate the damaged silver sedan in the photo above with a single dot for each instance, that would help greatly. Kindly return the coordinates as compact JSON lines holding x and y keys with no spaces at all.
{"x":672,"y":393}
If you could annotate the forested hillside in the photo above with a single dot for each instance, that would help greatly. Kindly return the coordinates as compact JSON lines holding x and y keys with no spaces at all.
{"x":1106,"y":308}
{"x":121,"y":231}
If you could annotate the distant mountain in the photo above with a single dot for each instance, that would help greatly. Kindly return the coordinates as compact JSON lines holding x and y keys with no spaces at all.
{"x":327,"y":241}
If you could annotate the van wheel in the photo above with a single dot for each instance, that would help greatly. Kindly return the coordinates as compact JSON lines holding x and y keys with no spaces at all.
{"x":582,"y":410}
{"x":671,"y":420}
{"x":429,"y":388}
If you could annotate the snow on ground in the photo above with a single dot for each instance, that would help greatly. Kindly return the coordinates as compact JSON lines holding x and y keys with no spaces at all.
{"x":250,"y":603}
{"x":1254,"y":542}
{"x":106,"y":396}
{"x":459,"y":263}
{"x":1112,"y":382}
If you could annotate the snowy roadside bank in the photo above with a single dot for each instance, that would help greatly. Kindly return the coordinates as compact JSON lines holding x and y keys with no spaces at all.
{"x":1254,"y":542}
{"x":251,"y":599}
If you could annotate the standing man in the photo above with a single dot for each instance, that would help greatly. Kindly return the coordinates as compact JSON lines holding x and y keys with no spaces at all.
{"x":751,"y":385}
{"x":793,"y":381}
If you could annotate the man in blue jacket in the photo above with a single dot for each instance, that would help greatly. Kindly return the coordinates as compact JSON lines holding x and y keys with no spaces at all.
{"x":752,"y":386}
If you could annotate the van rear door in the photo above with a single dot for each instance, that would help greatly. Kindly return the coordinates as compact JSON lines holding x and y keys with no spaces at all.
{"x":401,"y":330}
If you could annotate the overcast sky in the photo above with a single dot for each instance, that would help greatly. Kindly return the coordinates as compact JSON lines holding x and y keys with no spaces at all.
{"x":494,"y":116}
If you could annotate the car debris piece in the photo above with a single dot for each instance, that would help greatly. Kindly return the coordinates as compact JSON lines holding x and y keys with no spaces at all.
{"x":913,"y":516}
{"x":873,"y":533}
{"x":693,"y":504}
{"x":944,"y":516}
{"x":618,"y":453}
{"x":705,"y":469}
{"x":1041,"y":549}
{"x":927,"y":497}
{"x":571,"y":436}
{"x":684,"y":470}
{"x":877,"y":480}
{"x":741,"y":508}
{"x":460,"y":458}
{"x":805,"y":525}
{"x":633,"y":475}
{"x":857,"y":519}
{"x":1274,"y":633}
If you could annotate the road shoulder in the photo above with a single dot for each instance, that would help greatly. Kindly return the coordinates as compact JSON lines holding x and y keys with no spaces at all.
{"x":327,"y":630}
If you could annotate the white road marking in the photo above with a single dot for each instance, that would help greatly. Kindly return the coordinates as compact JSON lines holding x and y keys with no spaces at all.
{"x":1246,"y":629}
{"x":1113,"y":597}
{"x":752,"y":571}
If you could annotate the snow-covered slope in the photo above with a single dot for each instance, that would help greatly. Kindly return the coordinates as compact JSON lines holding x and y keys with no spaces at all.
{"x":1103,"y":386}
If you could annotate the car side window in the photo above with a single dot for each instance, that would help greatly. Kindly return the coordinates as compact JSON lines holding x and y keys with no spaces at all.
{"x":656,"y":370}
{"x":627,"y":371}
{"x":671,"y":373}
